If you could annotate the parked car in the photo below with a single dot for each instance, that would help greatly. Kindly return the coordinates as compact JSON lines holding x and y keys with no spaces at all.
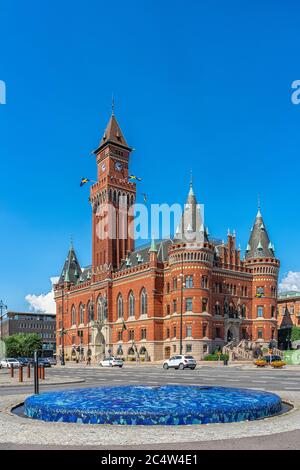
{"x":272,"y":358}
{"x":180,"y":362}
{"x":52,"y":361}
{"x":23,"y":361}
{"x":43,"y":361}
{"x":7,"y":363}
{"x":111,"y":362}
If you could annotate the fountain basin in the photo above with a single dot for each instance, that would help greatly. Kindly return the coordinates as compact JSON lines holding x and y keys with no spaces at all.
{"x":160,"y":405}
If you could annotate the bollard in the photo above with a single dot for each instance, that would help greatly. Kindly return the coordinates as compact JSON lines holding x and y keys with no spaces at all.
{"x":43,"y":372}
{"x":20,"y":374}
{"x":28,"y":371}
{"x":12,"y":370}
{"x":36,"y":378}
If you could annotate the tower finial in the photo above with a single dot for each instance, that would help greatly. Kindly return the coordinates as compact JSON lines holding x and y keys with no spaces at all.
{"x":71,"y":242}
{"x":258,"y":206}
{"x":112,"y":105}
{"x":191,"y":178}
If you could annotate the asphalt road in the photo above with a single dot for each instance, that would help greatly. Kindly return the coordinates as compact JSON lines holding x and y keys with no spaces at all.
{"x":264,"y":379}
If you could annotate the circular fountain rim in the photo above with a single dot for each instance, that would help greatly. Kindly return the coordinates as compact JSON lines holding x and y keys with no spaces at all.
{"x":202,"y":408}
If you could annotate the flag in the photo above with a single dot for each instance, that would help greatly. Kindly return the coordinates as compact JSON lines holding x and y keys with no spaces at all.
{"x":124,"y":327}
{"x":83,"y":181}
{"x":134,"y":177}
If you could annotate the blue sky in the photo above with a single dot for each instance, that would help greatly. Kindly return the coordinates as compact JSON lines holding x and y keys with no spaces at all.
{"x":201,"y":85}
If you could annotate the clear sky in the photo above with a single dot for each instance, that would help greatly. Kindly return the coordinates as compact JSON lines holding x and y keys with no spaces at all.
{"x":198,"y":84}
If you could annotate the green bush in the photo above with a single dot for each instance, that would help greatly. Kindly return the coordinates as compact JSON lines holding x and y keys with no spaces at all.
{"x":22,"y":344}
{"x":215,"y":357}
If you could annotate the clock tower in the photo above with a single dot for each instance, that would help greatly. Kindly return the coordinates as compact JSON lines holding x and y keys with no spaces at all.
{"x":111,"y":197}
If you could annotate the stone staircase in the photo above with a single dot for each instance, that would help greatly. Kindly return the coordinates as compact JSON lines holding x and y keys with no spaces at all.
{"x":244,"y":350}
{"x":240,"y":351}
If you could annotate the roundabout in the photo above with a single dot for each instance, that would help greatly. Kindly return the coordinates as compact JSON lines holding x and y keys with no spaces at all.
{"x":153,"y":405}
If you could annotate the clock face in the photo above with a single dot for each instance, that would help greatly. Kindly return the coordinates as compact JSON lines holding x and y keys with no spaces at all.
{"x":103,"y":167}
{"x":118,"y":166}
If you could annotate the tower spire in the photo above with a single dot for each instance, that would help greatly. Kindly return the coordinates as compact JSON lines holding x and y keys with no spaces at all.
{"x":259,"y":243}
{"x":112,"y":105}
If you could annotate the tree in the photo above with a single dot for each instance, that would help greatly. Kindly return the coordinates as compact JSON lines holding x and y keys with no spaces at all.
{"x":22,"y":344}
{"x":295,"y":334}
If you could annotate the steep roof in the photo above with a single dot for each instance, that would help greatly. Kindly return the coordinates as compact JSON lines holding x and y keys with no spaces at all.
{"x":113,"y":134}
{"x":71,"y":271}
{"x":191,"y":227}
{"x":259,"y":245}
{"x":141,"y":255}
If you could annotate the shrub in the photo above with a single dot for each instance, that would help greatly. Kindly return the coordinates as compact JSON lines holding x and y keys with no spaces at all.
{"x":216,"y":357}
{"x":277,"y":364}
{"x":260,"y":363}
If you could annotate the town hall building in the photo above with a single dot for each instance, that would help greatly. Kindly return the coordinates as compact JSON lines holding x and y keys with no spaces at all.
{"x":190,"y":294}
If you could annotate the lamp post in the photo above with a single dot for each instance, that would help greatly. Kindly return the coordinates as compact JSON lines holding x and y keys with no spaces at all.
{"x":181,"y":308}
{"x":2,"y":315}
{"x":62,"y":360}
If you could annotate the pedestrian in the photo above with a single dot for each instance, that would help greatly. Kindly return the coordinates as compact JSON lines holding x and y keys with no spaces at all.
{"x":88,"y":362}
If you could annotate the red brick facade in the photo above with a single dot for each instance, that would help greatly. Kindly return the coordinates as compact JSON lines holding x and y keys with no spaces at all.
{"x":133,"y":302}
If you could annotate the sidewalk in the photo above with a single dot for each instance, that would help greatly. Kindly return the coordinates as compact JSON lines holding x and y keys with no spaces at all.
{"x":7,"y":381}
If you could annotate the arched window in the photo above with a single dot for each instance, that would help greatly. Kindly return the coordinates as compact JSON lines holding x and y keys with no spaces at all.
{"x":73,"y":315}
{"x":91,"y":312}
{"x":100,"y":309}
{"x":81,"y":314}
{"x":120,"y":306}
{"x":144,"y":302}
{"x":243,"y":311}
{"x":131,"y":304}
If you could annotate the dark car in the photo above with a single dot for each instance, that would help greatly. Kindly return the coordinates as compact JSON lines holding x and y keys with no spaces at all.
{"x":23,"y":361}
{"x":272,"y":358}
{"x":43,"y":361}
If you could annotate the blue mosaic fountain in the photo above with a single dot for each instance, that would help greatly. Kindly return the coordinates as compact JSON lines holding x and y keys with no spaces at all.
{"x":145,"y":405}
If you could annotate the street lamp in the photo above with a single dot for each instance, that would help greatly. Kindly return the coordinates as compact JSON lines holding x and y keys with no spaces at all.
{"x":62,"y":359}
{"x":181,"y":308}
{"x":2,"y":315}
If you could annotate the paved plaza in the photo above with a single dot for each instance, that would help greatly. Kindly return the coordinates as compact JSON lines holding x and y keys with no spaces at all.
{"x":278,"y":432}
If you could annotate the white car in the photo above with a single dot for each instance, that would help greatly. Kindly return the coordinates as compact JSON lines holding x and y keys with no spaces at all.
{"x":111,"y":362}
{"x":7,"y":363}
{"x":180,"y":362}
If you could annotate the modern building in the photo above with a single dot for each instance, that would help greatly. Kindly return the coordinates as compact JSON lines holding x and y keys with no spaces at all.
{"x":192,"y":293}
{"x":41,"y":323}
{"x":288,"y":309}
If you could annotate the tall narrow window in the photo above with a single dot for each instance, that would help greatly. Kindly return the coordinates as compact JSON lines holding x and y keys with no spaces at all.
{"x":204,"y":305}
{"x":189,"y":304}
{"x":120,"y":306}
{"x":73,"y":315}
{"x":131,"y":304}
{"x":189,"y":282}
{"x":90,"y":312}
{"x":260,"y":311}
{"x":81,"y":314}
{"x":144,"y":302}
{"x":100,"y":309}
